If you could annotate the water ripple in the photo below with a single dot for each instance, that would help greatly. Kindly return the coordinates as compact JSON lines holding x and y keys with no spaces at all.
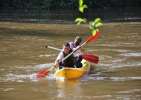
{"x":130,"y":91}
{"x":8,"y":89}
{"x":42,"y":66}
{"x":114,"y":78}
{"x":135,"y":54}
{"x":32,"y":77}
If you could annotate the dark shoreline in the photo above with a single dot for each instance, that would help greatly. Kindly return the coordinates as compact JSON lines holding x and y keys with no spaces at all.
{"x":58,"y":21}
{"x":68,"y":16}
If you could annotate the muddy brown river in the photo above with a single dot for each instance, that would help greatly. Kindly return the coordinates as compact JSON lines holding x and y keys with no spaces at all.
{"x":23,"y":53}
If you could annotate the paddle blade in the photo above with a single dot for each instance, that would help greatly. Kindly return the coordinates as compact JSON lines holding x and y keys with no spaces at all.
{"x":42,"y":73}
{"x":93,"y":37}
{"x":91,"y":58}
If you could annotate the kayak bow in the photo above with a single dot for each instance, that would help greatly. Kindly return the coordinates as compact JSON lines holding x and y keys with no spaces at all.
{"x":73,"y":73}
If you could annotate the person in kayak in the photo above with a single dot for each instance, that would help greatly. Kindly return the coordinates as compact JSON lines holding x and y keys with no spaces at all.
{"x":78,"y":54}
{"x":69,"y":62}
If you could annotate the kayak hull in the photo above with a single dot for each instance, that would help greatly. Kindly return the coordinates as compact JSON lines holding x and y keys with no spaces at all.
{"x":73,"y":73}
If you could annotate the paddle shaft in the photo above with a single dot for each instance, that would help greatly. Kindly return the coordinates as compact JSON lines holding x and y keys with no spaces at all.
{"x":88,"y":57}
{"x":54,"y":48}
{"x":71,"y":52}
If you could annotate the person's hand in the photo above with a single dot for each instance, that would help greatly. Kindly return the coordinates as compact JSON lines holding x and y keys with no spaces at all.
{"x":56,"y":65}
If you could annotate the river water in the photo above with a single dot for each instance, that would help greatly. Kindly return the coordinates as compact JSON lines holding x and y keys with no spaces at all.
{"x":23,"y":53}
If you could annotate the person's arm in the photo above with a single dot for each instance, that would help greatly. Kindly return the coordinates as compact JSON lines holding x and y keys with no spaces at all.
{"x":56,"y":63}
{"x":71,"y":45}
{"x":59,"y":59}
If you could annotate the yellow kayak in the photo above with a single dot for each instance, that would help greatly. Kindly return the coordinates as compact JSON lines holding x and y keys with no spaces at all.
{"x":73,"y":73}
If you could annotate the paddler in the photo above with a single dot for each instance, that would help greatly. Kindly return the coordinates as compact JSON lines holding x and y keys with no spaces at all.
{"x":78,"y":54}
{"x":69,"y":62}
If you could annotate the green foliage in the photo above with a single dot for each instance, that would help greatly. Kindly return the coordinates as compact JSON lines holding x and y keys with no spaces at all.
{"x":80,"y":20}
{"x":82,"y":6}
{"x":93,"y":25}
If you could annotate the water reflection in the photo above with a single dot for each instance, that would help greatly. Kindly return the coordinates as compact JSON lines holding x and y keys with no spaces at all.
{"x":68,"y":87}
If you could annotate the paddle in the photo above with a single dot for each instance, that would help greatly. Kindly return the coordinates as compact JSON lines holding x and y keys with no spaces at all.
{"x":42,"y":73}
{"x":89,"y":57}
{"x":91,"y":38}
{"x":54,"y":48}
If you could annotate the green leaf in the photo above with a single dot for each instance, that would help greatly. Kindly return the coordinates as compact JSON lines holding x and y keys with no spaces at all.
{"x":80,"y":3}
{"x":97,"y":20}
{"x":80,"y":20}
{"x":98,"y":25}
{"x":85,"y":6}
{"x":91,"y":25}
{"x":95,"y":24}
{"x":81,"y":9}
{"x":82,"y":6}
